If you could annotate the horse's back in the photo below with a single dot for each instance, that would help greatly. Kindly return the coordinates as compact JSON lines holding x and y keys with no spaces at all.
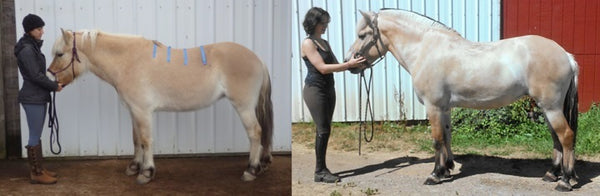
{"x":231,"y":68}
{"x":490,"y":75}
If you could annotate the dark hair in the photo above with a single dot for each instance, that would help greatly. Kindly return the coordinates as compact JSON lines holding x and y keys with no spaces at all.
{"x":313,"y":17}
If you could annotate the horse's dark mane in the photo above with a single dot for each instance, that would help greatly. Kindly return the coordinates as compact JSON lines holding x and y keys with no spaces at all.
{"x":159,"y":44}
{"x":433,"y":21}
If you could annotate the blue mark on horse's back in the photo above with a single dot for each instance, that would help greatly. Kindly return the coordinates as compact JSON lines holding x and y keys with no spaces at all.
{"x":154,"y":51}
{"x":185,"y":58}
{"x":203,"y":55}
{"x":169,"y":54}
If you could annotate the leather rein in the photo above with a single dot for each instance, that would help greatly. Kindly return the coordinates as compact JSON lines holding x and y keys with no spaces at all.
{"x":363,"y":129}
{"x":52,"y":114}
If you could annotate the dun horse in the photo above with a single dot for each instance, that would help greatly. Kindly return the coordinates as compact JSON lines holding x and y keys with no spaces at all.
{"x":149,"y":76}
{"x":449,"y":71}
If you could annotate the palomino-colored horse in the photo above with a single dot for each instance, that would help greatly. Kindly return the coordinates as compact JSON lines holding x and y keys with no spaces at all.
{"x":449,"y":71}
{"x":149,"y":76}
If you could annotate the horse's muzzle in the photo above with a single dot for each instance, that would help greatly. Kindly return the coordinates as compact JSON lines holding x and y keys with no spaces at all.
{"x":366,"y":64}
{"x":50,"y":75}
{"x":355,"y":70}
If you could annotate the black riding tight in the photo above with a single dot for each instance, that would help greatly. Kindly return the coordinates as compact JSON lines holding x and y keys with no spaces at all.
{"x":321,"y":104}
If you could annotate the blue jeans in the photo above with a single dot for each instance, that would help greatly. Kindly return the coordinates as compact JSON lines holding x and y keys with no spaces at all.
{"x":36,"y":115}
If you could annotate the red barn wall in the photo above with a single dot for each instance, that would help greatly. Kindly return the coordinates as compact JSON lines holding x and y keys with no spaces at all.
{"x":575,"y":25}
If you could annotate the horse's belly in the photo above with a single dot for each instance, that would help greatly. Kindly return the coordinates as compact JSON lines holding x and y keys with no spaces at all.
{"x":190,"y":99}
{"x":487,"y":100}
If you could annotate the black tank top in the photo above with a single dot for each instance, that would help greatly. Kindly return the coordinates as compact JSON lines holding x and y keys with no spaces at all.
{"x":314,"y":77}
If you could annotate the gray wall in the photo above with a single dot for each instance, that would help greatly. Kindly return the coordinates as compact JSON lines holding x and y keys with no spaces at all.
{"x":392,"y":94}
{"x":93,"y":120}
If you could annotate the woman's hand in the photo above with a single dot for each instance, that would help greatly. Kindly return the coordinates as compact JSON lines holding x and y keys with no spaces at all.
{"x":356,"y":62}
{"x":60,"y":87}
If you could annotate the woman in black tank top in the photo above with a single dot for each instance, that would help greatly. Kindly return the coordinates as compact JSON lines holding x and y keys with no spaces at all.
{"x":319,"y":91}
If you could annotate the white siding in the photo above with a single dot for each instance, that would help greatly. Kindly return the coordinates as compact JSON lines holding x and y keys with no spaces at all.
{"x":475,"y":20}
{"x":93,"y":120}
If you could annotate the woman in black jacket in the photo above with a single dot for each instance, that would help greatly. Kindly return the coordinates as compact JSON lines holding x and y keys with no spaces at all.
{"x":35,"y":93}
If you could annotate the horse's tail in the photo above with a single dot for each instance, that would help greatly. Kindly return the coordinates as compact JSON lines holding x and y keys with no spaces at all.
{"x":570,"y":108}
{"x":264,"y":113}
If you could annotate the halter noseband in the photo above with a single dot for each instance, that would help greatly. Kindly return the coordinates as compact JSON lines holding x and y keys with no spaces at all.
{"x":74,"y":57}
{"x":373,"y":42}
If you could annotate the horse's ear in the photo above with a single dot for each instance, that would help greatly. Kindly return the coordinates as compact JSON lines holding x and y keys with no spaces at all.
{"x":366,"y":16}
{"x":65,"y":35}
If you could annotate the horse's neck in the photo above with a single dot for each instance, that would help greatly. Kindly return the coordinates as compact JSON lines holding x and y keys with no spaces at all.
{"x":108,"y":54}
{"x":408,"y":45}
{"x":408,"y":36}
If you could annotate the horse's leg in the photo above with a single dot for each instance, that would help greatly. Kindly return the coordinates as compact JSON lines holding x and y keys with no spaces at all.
{"x":439,"y":120}
{"x":552,"y":174}
{"x":448,"y":141}
{"x":134,"y":167}
{"x":248,"y":117}
{"x":143,"y":121}
{"x":566,"y":137}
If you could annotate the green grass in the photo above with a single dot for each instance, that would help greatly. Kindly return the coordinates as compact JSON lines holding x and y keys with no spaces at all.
{"x":588,"y":133}
{"x":503,"y":132}
{"x":390,"y":136}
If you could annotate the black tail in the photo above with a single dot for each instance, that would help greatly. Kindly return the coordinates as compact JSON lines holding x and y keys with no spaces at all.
{"x":571,"y":108}
{"x":264,"y":114}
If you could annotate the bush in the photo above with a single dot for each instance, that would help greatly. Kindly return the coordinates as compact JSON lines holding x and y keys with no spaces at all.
{"x":519,"y":124}
{"x":506,"y":122}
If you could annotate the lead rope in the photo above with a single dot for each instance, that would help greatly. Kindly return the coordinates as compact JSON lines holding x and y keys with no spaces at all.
{"x":52,"y":116}
{"x":368,"y":108}
{"x":53,"y":125}
{"x":363,"y":126}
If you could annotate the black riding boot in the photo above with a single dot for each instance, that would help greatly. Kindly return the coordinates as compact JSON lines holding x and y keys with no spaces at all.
{"x":322,"y":174}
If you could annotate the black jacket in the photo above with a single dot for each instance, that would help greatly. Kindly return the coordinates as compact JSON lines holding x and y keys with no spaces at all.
{"x":32,"y":65}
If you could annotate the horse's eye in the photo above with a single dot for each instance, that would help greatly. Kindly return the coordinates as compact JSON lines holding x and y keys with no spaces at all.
{"x":361,"y":36}
{"x":59,"y":55}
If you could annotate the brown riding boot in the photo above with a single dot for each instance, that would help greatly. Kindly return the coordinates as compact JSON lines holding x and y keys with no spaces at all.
{"x":47,"y":172}
{"x":34,"y":156}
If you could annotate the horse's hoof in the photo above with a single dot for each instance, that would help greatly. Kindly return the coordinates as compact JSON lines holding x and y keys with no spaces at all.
{"x":549,"y":177}
{"x":265,"y":162}
{"x":141,"y":179}
{"x":447,"y":174}
{"x":130,"y":172}
{"x":145,"y":175}
{"x":563,"y":186}
{"x":248,"y":176}
{"x":432,"y":180}
{"x":132,"y":169}
{"x":263,"y":168}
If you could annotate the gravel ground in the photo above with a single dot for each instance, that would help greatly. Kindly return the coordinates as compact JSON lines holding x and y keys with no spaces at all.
{"x":403,"y":173}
